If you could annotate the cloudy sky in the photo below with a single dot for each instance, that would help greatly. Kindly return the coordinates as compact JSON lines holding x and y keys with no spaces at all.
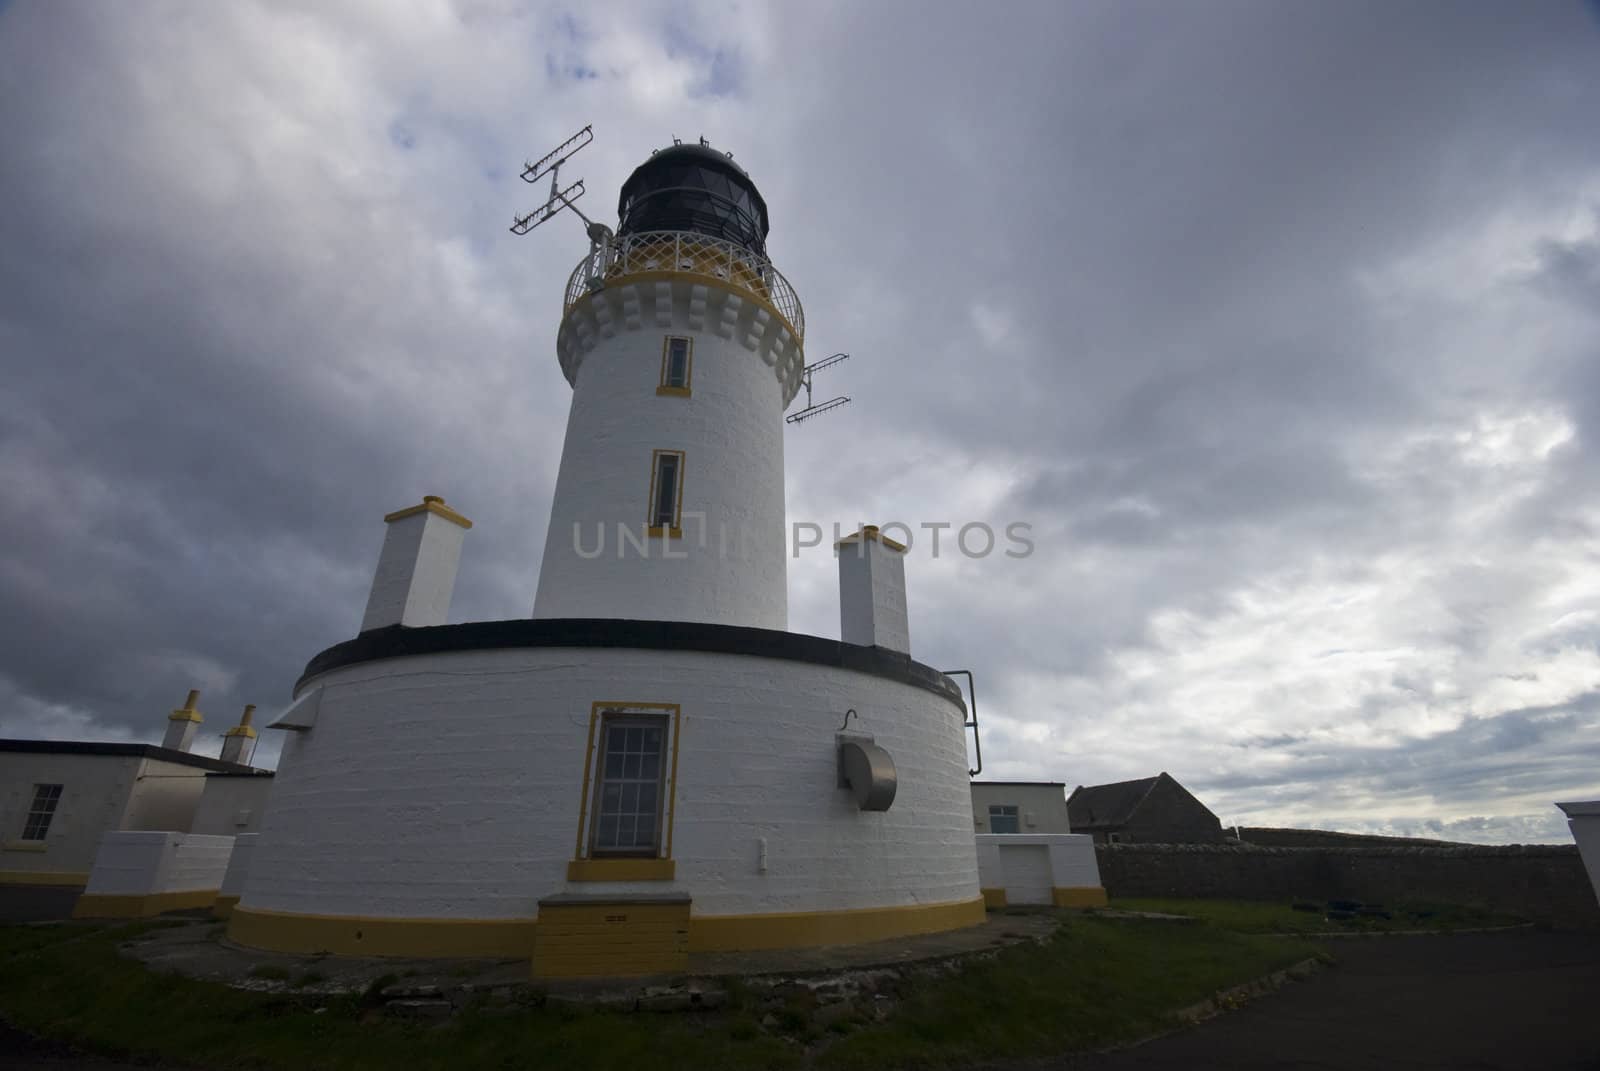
{"x":1276,"y":321}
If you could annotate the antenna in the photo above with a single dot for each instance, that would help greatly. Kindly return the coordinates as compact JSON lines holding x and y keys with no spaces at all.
{"x":821,"y":407}
{"x":550,"y":164}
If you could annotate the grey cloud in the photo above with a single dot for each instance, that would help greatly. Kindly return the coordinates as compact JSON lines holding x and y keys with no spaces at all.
{"x":1163,"y":282}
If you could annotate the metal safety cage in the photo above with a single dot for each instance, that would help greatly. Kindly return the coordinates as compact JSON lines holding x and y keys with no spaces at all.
{"x":687,"y":253}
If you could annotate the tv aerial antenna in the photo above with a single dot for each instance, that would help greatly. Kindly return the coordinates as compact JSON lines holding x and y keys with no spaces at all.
{"x":600,"y":235}
{"x":818,"y":408}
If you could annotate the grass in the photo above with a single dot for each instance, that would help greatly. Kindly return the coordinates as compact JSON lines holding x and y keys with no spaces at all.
{"x":1250,"y":916}
{"x":1096,"y":981}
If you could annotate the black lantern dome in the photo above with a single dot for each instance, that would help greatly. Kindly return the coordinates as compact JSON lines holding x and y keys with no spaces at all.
{"x":694,"y":188}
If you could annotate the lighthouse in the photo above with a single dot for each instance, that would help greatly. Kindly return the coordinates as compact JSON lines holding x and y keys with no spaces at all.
{"x":683,"y":350}
{"x":650,"y":765}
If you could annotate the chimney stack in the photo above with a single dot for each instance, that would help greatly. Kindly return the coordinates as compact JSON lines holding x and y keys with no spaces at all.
{"x":417,"y":567}
{"x":872,"y":591}
{"x":182,"y":724}
{"x":239,"y":743}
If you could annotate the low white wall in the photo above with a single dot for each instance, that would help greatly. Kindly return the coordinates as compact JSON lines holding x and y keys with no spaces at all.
{"x":138,"y":863}
{"x":1068,"y":858}
{"x":1584,"y":821}
{"x":244,"y":850}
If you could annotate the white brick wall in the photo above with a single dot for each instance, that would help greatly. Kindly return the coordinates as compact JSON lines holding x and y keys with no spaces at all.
{"x":447,"y":786}
{"x":244,"y":847}
{"x":231,"y":805}
{"x":1584,"y":821}
{"x":416,"y":572}
{"x":731,"y":430}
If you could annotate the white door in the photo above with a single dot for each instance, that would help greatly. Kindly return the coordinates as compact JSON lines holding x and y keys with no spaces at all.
{"x":1026,"y":868}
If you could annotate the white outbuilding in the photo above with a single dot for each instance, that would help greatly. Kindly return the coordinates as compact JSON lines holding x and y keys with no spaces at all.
{"x":61,"y":798}
{"x":651,"y":763}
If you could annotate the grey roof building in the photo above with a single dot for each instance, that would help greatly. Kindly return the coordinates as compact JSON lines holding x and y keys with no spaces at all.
{"x":1151,"y":810}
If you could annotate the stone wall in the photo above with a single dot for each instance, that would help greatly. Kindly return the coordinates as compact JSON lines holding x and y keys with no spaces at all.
{"x":1546,"y":883}
{"x":1274,"y":837}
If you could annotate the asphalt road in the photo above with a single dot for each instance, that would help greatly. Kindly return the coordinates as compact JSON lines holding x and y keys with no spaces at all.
{"x":1523,"y":1001}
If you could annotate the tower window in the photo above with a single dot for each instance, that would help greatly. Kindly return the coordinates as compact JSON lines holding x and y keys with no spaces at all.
{"x":628,"y":791}
{"x":666,"y":493}
{"x":677,"y":365}
{"x":45,"y":800}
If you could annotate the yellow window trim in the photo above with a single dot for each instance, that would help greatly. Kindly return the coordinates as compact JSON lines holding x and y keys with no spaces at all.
{"x":676,"y":527}
{"x":669,"y":797}
{"x":23,"y":846}
{"x":657,"y":532}
{"x":666,"y":363}
{"x":621,"y":870}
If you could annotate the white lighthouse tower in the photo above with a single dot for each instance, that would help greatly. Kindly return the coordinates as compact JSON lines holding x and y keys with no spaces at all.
{"x":683,"y":346}
{"x":650,"y":766}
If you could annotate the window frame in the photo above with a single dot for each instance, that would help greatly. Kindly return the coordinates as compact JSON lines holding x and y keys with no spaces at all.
{"x":40,"y":816}
{"x":665,"y":386}
{"x":1005,"y":810}
{"x":629,"y":719}
{"x":675,"y":529}
{"x":610,"y":867}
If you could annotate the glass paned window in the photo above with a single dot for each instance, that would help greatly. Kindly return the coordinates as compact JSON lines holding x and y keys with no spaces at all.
{"x":43,"y":808}
{"x":665,"y":485}
{"x":1004,"y":818}
{"x":628,"y":799}
{"x":675,"y":362}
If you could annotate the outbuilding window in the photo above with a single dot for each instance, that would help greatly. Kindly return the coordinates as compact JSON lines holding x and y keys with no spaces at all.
{"x":628,"y":792}
{"x":666,"y":493}
{"x":1004,"y":818}
{"x":677,"y":365}
{"x":45,"y":800}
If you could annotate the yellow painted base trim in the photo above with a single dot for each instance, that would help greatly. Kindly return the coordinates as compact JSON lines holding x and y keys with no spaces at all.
{"x":615,"y":940}
{"x":223,"y":906}
{"x":621,"y":870}
{"x":993,"y":898}
{"x":742,"y":933}
{"x":43,"y":877}
{"x":1081,"y":896}
{"x":355,"y":935}
{"x":119,"y":906}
